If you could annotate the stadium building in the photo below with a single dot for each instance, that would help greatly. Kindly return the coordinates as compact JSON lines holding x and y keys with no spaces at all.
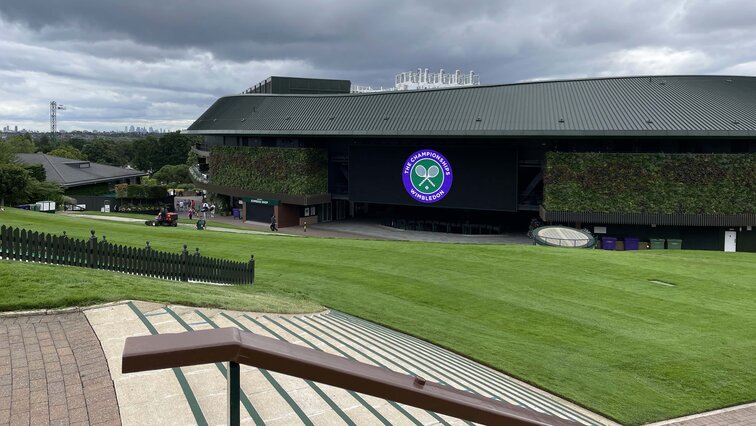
{"x":653,"y":157}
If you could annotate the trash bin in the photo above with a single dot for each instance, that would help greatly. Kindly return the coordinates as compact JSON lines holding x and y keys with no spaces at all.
{"x":608,"y":243}
{"x":631,"y":243}
{"x":674,"y":244}
{"x":237,"y":213}
{"x":657,"y":244}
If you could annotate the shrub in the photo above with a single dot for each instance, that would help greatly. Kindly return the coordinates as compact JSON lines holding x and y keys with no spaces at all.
{"x":650,"y":183}
{"x":296,"y":171}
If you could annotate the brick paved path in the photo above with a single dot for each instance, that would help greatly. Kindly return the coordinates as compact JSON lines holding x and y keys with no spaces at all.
{"x":742,"y":415}
{"x":53,"y":371}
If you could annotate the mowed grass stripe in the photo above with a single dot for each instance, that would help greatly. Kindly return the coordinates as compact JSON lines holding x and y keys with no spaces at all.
{"x":346,"y":355}
{"x":462,"y":365}
{"x":281,"y":391}
{"x":221,"y":367}
{"x":312,"y":322}
{"x":199,"y":417}
{"x":512,"y":395}
{"x":310,"y":383}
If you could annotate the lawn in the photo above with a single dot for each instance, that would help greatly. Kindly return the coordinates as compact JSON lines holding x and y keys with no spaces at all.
{"x":585,"y":324}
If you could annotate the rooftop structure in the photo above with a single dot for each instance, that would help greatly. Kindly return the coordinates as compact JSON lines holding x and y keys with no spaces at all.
{"x":422,"y":80}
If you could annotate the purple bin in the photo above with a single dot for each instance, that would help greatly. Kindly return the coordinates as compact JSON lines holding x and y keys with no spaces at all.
{"x":631,"y":243}
{"x":608,"y":243}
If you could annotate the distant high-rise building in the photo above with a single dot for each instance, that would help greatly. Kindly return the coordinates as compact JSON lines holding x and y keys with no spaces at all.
{"x":125,"y":129}
{"x":15,"y":128}
{"x":131,"y":128}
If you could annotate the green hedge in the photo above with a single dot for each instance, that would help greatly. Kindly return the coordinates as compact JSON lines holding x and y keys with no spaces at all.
{"x":650,"y":183}
{"x":141,"y":191}
{"x":295,"y":171}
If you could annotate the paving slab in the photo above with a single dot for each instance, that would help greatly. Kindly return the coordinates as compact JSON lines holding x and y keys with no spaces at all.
{"x":197,"y":394}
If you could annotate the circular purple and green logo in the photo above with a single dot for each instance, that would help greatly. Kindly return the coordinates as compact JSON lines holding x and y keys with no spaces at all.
{"x":427,"y":176}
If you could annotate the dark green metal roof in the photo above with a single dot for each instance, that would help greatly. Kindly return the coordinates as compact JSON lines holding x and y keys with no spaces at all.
{"x":626,"y":106}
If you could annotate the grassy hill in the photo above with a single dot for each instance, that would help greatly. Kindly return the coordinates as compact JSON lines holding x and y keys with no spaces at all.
{"x":586,"y":324}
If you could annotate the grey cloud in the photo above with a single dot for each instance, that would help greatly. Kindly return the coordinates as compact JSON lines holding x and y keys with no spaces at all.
{"x":177,"y":56}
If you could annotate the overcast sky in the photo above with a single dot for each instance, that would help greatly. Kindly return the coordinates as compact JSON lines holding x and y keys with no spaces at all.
{"x":162,"y":63}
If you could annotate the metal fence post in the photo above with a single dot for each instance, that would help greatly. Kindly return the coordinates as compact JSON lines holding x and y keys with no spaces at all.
{"x":251,"y":270}
{"x":234,"y":416}
{"x":184,"y":264}
{"x":92,"y":249}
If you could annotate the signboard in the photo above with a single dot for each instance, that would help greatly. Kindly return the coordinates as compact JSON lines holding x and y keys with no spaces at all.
{"x":427,"y":176}
{"x":262,"y":201}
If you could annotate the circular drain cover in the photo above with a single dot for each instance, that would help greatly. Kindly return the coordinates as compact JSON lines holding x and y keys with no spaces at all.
{"x":562,"y":236}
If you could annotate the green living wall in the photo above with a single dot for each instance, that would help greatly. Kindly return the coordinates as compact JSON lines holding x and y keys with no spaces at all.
{"x":650,"y":183}
{"x":295,"y":171}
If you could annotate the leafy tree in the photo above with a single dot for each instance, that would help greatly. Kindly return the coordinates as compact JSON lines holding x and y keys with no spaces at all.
{"x":21,"y":144}
{"x":41,"y":190}
{"x":103,"y":151}
{"x":45,"y":144}
{"x":14,"y":180}
{"x":172,"y":174}
{"x":37,"y":171}
{"x":152,"y":154}
{"x":77,"y":143}
{"x":67,"y":151}
{"x":144,"y":153}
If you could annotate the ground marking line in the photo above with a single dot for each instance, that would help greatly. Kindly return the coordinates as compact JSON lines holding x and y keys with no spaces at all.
{"x":222,"y":368}
{"x":502,"y":384}
{"x":277,"y":386}
{"x":310,"y":383}
{"x":199,"y":417}
{"x":374,"y":361}
{"x":351,"y":392}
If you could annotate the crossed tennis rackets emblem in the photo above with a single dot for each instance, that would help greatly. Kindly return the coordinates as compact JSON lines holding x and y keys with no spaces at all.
{"x":432,"y":172}
{"x":427,"y":176}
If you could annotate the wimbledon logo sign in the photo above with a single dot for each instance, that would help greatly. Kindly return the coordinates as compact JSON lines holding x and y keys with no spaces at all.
{"x":427,"y":176}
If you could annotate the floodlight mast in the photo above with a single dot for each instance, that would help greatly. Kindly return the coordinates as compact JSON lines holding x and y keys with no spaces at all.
{"x":54,"y":107}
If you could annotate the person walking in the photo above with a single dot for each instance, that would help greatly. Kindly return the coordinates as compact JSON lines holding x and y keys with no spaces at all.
{"x":204,"y":209}
{"x":191,"y":213}
{"x":273,"y":226}
{"x":212,"y":210}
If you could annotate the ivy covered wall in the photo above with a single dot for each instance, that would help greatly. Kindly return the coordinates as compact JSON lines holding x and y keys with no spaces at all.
{"x":295,"y":171}
{"x":650,"y":183}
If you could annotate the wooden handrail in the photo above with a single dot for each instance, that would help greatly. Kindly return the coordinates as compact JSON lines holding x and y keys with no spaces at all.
{"x":145,"y":353}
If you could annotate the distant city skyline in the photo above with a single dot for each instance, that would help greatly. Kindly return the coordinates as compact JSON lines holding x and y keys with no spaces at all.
{"x":161,"y":66}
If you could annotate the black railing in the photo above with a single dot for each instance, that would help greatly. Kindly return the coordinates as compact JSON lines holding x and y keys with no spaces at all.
{"x":20,"y":244}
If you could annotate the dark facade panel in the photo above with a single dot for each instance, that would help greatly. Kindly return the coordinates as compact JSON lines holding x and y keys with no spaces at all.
{"x":484,"y":178}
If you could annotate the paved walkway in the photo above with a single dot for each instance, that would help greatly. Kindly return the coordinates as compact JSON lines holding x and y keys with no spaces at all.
{"x":197,"y":394}
{"x":352,"y":229}
{"x":53,"y":371}
{"x":742,"y":415}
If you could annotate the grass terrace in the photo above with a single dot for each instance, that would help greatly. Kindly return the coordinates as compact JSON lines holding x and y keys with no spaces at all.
{"x":589,"y":325}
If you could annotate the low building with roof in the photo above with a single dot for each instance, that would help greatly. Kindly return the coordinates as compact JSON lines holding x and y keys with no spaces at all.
{"x":81,"y":175}
{"x":671,"y":157}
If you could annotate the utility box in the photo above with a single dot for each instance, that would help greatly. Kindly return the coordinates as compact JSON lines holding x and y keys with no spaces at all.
{"x":608,"y":243}
{"x":673,"y":244}
{"x":46,"y":206}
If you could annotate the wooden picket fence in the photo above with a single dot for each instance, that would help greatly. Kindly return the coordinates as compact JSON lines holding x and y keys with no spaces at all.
{"x":20,"y":244}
